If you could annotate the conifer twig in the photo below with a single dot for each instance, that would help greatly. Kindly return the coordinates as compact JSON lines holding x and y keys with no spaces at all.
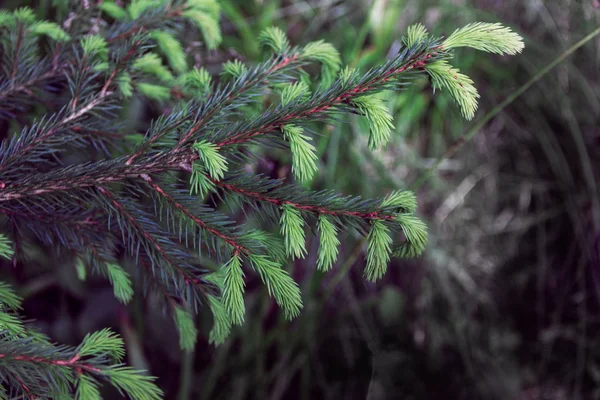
{"x":81,"y":184}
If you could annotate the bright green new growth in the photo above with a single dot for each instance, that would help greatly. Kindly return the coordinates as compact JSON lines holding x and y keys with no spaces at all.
{"x":8,"y":297}
{"x":324,"y":53}
{"x":151,"y":64}
{"x":488,"y":37}
{"x":327,"y":55}
{"x":415,"y":34}
{"x":49,"y":29}
{"x":379,"y":250}
{"x":205,"y":15}
{"x":233,"y":69}
{"x":379,"y":117}
{"x":121,"y":282}
{"x":275,"y":39}
{"x":280,"y":285}
{"x":222,"y":321}
{"x":296,"y":91}
{"x":136,"y":386}
{"x":211,"y":7}
{"x":403,"y":200}
{"x":113,"y":10}
{"x":124,"y":84}
{"x":197,"y":82}
{"x":272,"y":242}
{"x":328,"y":243}
{"x":186,"y":327}
{"x":347,"y":75}
{"x":415,"y":232}
{"x":81,"y":269}
{"x":172,"y":49}
{"x":233,"y":290}
{"x":5,"y":18}
{"x":102,"y":342}
{"x":215,"y":163}
{"x":10,"y":303}
{"x":87,"y":389}
{"x":460,"y":86}
{"x":304,"y":157}
{"x":292,"y":229}
{"x":154,"y":92}
{"x":6,"y":249}
{"x":200,"y":183}
{"x":71,"y":370}
{"x":94,"y":46}
{"x":24,"y":15}
{"x":137,"y":7}
{"x":11,"y":324}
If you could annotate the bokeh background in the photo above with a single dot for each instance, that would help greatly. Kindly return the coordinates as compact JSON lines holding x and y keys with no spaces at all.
{"x":505,"y":303}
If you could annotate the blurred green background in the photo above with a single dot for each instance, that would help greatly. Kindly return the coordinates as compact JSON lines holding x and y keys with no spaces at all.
{"x":505,"y":302}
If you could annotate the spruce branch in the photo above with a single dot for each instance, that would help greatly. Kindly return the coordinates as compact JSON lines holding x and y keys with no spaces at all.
{"x":233,"y":289}
{"x":329,"y":243}
{"x":224,"y":100}
{"x":280,"y":285}
{"x":337,"y":97}
{"x":6,"y":249}
{"x":147,"y":197}
{"x":169,"y":263}
{"x":254,"y":188}
{"x":41,"y":369}
{"x":215,"y":224}
{"x":29,"y":73}
{"x":488,"y":37}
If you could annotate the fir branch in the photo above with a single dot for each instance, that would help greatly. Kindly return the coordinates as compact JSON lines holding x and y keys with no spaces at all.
{"x":6,"y":249}
{"x":187,"y":329}
{"x":54,"y":131}
{"x":221,"y":102}
{"x":177,"y":158}
{"x":233,"y":289}
{"x":92,"y":207}
{"x":74,"y":362}
{"x":279,"y":194}
{"x":145,"y":21}
{"x":488,"y":37}
{"x":339,"y":94}
{"x":292,"y":229}
{"x":10,"y":89}
{"x":228,"y":238}
{"x":162,"y":251}
{"x":222,"y":322}
{"x":280,"y":285}
{"x":379,"y":250}
{"x":329,"y":243}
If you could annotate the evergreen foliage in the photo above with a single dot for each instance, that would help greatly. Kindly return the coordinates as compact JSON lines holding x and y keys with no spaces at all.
{"x":144,"y":203}
{"x":33,"y":367}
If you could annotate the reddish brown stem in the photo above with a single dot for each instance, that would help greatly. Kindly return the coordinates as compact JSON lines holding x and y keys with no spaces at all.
{"x":149,"y":237}
{"x":310,"y":208}
{"x":118,"y":68}
{"x":227,"y":239}
{"x":25,"y":388}
{"x":343,"y":98}
{"x":74,"y":362}
{"x":198,"y":125}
